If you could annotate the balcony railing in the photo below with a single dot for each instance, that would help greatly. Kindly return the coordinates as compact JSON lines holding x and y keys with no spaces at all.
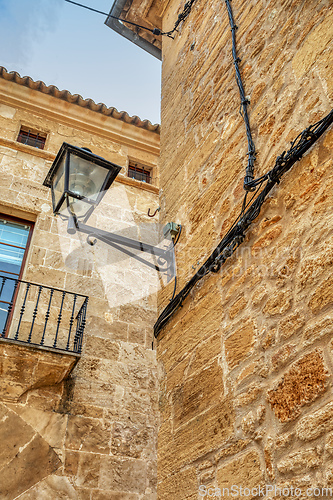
{"x":41,"y":316}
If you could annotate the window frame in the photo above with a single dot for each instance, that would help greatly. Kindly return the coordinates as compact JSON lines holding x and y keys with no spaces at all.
{"x":38,"y":135}
{"x":136,"y":166}
{"x":31,"y":224}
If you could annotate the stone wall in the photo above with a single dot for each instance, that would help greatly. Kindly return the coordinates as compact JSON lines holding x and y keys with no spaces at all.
{"x":93,"y":435}
{"x":246,"y":363}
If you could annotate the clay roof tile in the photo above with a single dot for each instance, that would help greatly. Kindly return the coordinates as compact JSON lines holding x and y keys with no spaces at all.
{"x":65,"y":95}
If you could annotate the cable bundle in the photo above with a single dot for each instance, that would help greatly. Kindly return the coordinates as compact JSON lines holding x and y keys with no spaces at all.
{"x":249,"y":213}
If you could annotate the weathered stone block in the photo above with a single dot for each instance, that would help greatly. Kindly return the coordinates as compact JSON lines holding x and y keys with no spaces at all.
{"x":249,"y":396}
{"x":203,"y":355}
{"x":101,"y":348}
{"x":302,"y":384}
{"x":51,"y":426}
{"x":269,"y":340}
{"x":88,"y":474}
{"x":114,"y":495}
{"x":283,"y":355}
{"x":313,"y":267}
{"x":136,"y":334}
{"x":197,"y":394}
{"x":268,"y":454}
{"x":93,"y":393}
{"x":87,"y":434}
{"x":237,"y":307}
{"x":231,"y":449}
{"x":314,"y":44}
{"x":291,"y":324}
{"x":297,"y":462}
{"x":123,"y":474}
{"x":278,"y":303}
{"x":71,"y":463}
{"x":244,"y":472}
{"x":317,"y":330}
{"x":203,"y":434}
{"x":137,"y":355}
{"x":249,"y":370}
{"x":14,"y":434}
{"x":266,"y":239}
{"x":248,"y":424}
{"x":284,"y":440}
{"x":323,"y":296}
{"x":196,"y":326}
{"x":317,"y":423}
{"x":180,"y":485}
{"x":31,"y":464}
{"x":7,"y":111}
{"x":133,"y":441}
{"x":259,"y":295}
{"x":53,"y":486}
{"x":240,"y":343}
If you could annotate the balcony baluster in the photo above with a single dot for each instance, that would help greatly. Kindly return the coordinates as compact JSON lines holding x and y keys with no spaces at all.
{"x":39,"y":315}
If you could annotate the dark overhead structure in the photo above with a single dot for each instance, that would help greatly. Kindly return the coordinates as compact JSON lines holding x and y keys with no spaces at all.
{"x":137,"y":36}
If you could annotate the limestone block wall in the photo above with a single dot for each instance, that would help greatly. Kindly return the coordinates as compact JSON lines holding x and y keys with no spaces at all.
{"x":246,"y":363}
{"x":94,"y":435}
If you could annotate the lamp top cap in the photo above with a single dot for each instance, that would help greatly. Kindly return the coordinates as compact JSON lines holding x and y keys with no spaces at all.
{"x":83,"y":153}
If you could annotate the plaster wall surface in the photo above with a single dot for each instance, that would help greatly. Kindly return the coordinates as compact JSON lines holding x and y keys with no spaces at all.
{"x":246,"y":363}
{"x":92,"y":435}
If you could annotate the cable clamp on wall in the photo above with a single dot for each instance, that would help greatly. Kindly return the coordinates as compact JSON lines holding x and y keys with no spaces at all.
{"x":216,"y":266}
{"x":273,"y":177}
{"x":242,"y":224}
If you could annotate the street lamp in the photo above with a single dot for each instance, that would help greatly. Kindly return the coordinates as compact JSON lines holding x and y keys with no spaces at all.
{"x":78,"y":180}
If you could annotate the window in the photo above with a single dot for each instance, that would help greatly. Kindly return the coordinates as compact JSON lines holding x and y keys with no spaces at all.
{"x":15,"y":236}
{"x":31,"y":138}
{"x":139,"y":172}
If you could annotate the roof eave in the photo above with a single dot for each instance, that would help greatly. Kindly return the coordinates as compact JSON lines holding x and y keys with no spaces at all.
{"x":116,"y":11}
{"x":65,"y":95}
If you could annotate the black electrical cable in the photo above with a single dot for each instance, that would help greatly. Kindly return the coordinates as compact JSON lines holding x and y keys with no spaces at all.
{"x":181,"y":17}
{"x":175,"y":269}
{"x":155,"y":31}
{"x":249,"y":175}
{"x":236,"y":234}
{"x":174,"y":288}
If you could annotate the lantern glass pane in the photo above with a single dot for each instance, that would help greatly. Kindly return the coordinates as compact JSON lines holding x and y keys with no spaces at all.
{"x":86,"y":178}
{"x":58,"y":182}
{"x":78,"y":207}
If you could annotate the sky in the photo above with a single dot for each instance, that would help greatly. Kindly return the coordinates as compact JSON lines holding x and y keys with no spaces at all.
{"x":71,"y":47}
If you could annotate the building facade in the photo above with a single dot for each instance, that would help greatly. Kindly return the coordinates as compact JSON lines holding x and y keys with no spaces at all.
{"x":245,"y":358}
{"x":74,"y":425}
